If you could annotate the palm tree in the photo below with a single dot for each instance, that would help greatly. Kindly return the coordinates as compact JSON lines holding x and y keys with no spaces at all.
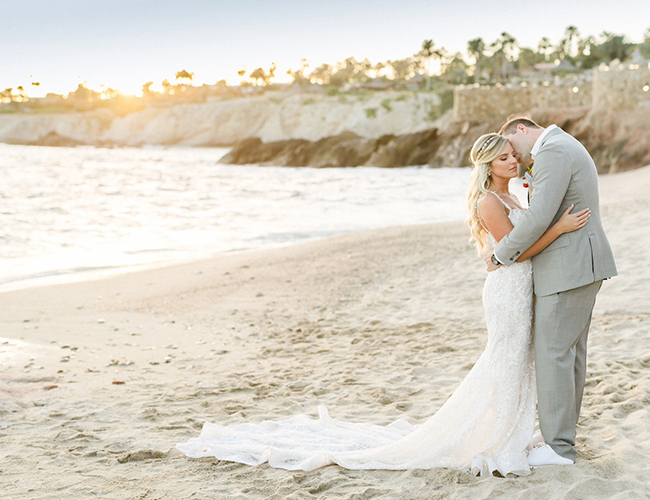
{"x":363,"y":69}
{"x":476,"y":49}
{"x":571,"y":35}
{"x":509,"y":45}
{"x":444,"y":59}
{"x":257,"y":75}
{"x":6,"y":95}
{"x":168,"y":88}
{"x":614,"y":47}
{"x":644,"y":47}
{"x":498,"y":58}
{"x":146,"y":89}
{"x":401,"y":68}
{"x":377,"y":68}
{"x":241,"y":73}
{"x":321,"y":74}
{"x":184,"y":75}
{"x":349,"y":70}
{"x":456,"y":69}
{"x":585,"y":45}
{"x":426,"y":54}
{"x":564,"y":47}
{"x":22,"y":94}
{"x":586,"y":57}
{"x":544,"y":47}
{"x":503,"y":50}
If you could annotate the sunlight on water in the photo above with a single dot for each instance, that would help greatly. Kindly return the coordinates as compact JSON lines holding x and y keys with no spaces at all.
{"x":66,"y":210}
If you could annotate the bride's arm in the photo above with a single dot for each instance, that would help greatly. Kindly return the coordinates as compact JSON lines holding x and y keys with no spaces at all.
{"x":567,"y":223}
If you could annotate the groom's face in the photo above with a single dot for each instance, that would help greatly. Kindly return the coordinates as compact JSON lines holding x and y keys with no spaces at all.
{"x":521,"y":145}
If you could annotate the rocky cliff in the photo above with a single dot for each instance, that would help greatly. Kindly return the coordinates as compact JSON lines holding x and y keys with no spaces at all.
{"x":617,"y":140}
{"x":446,"y":144}
{"x":383,"y":129}
{"x":272,"y":117}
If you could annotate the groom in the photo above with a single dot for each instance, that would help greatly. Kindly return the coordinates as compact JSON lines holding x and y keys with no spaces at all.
{"x":567,"y":275}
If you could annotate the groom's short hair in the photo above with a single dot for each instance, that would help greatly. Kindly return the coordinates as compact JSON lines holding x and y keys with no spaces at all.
{"x":511,"y":125}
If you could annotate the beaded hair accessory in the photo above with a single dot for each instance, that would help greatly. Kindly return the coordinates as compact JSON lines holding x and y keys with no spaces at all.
{"x":485,"y":144}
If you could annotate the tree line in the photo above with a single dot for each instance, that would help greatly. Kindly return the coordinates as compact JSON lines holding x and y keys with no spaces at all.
{"x":483,"y":63}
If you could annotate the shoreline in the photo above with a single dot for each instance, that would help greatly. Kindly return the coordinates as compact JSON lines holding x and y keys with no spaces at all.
{"x":99,"y":380}
{"x":71,"y":276}
{"x":47,"y":277}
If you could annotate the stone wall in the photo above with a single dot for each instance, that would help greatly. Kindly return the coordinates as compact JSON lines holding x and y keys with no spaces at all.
{"x":485,"y":103}
{"x":621,"y":87}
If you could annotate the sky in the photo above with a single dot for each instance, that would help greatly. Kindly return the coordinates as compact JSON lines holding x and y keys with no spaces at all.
{"x":125,"y":43}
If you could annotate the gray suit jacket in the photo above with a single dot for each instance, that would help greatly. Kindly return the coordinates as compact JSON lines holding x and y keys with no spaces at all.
{"x":564,"y":173}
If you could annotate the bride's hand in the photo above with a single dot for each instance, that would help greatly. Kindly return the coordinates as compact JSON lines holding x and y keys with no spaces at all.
{"x":570,"y":222}
{"x":487,"y":254}
{"x":487,"y":258}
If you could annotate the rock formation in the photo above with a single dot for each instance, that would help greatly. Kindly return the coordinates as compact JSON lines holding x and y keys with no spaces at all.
{"x":617,"y":140}
{"x":445,"y":145}
{"x":382,"y":129}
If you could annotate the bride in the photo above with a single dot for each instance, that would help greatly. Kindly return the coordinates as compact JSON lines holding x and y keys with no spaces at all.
{"x":487,"y":423}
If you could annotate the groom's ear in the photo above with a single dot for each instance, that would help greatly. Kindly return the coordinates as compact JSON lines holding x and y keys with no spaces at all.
{"x":522,"y":128}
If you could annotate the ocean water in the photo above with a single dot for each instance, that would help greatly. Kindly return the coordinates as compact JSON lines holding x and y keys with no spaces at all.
{"x":70,"y":213}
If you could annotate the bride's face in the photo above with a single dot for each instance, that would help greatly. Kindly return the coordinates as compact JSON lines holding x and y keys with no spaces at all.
{"x":505,"y":165}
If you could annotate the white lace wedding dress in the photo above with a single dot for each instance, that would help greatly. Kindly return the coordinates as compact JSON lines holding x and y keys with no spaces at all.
{"x":483,"y":427}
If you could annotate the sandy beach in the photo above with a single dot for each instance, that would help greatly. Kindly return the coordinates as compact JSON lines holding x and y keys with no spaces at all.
{"x":99,"y":380}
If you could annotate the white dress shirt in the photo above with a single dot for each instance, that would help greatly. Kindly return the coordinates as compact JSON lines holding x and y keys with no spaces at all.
{"x":540,"y":139}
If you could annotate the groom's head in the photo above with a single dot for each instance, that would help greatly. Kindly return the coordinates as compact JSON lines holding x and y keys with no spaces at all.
{"x":522,"y":134}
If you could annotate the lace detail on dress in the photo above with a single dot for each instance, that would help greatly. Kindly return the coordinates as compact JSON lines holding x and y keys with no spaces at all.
{"x":483,"y":427}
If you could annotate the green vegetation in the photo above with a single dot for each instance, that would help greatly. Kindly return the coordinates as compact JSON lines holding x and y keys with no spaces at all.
{"x":446,"y":100}
{"x":371,"y":112}
{"x":385,"y":103}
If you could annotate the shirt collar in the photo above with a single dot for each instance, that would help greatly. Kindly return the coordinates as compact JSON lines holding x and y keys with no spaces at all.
{"x":540,"y":139}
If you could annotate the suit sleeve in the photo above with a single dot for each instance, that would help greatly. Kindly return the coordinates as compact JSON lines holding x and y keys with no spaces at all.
{"x":551,"y":181}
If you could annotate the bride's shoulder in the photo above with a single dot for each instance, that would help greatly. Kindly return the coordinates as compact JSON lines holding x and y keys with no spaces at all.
{"x":491,"y":202}
{"x":492,"y":210}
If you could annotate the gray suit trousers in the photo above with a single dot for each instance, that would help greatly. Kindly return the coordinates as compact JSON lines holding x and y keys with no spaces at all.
{"x":561,"y":328}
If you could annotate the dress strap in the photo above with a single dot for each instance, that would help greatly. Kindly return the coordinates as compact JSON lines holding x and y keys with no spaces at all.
{"x":501,"y":200}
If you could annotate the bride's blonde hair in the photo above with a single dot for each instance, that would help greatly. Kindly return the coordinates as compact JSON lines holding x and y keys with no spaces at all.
{"x":486,"y":149}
